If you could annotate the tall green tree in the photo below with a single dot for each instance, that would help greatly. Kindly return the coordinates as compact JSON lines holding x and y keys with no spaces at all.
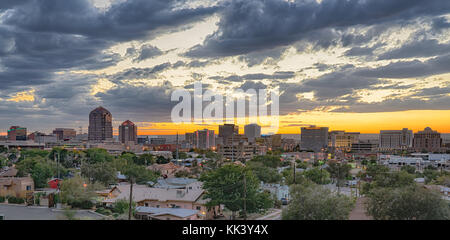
{"x":271,"y":161}
{"x":101,"y":172}
{"x":314,"y":202}
{"x":95,"y":155}
{"x":339,"y":171}
{"x":40,"y":169}
{"x":235,"y":187}
{"x":264,"y":173}
{"x":318,"y":176}
{"x":407,"y":203}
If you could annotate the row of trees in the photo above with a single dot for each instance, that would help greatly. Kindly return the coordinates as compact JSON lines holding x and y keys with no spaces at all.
{"x":396,"y":196}
{"x":97,"y":165}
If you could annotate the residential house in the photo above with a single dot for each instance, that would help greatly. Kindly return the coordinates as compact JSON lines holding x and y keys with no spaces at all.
{"x":189,"y":198}
{"x":16,"y":186}
{"x":167,"y":170}
{"x":151,"y":213}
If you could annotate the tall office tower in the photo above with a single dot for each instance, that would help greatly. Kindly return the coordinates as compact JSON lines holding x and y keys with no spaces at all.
{"x":343,"y":140}
{"x":190,"y":139}
{"x":16,"y":133}
{"x":204,"y":139}
{"x":275,"y":141}
{"x":128,"y":132}
{"x":314,"y":138}
{"x":427,"y":140}
{"x":252,"y":131}
{"x":100,"y":125}
{"x":395,"y":139}
{"x":65,"y":133}
{"x":227,"y":131}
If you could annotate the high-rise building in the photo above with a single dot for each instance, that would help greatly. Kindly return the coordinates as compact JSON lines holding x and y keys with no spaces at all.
{"x":190,"y":139}
{"x":204,"y":139}
{"x":228,"y":130}
{"x":342,"y":140}
{"x":427,"y":140}
{"x":65,"y":133}
{"x":395,"y":139}
{"x":16,"y":133}
{"x":252,"y":131}
{"x":100,"y":125}
{"x":314,"y":138}
{"x":275,"y":141}
{"x":128,"y":132}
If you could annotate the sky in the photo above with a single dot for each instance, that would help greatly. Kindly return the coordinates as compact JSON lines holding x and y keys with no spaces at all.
{"x":355,"y":65}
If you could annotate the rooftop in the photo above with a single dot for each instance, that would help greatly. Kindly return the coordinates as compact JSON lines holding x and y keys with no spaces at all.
{"x":179,"y":212}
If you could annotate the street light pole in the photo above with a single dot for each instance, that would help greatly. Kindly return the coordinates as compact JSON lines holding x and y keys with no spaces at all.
{"x":131,"y":198}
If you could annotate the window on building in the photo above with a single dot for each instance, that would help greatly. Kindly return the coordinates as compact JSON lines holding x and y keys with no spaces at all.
{"x":28,"y":188}
{"x":198,"y":208}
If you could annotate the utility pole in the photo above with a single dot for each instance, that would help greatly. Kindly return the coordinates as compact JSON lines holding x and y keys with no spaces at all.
{"x":131,"y":198}
{"x":245,"y":196}
{"x":294,"y":173}
{"x":177,"y":147}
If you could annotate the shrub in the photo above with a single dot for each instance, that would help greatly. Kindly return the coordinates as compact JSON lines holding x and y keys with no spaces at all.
{"x":16,"y":200}
{"x":82,"y":204}
{"x":104,"y":211}
{"x":2,"y":199}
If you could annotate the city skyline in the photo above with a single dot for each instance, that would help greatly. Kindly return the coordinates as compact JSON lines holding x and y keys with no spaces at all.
{"x":385,"y":66}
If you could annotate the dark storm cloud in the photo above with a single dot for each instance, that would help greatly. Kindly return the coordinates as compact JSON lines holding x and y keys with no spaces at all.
{"x":42,"y":39}
{"x":399,"y":104}
{"x":251,"y":25}
{"x":147,"y":52}
{"x":148,"y":103}
{"x":139,"y":73}
{"x":440,"y":23}
{"x":359,"y":51}
{"x":422,"y":48}
{"x":128,"y":20}
{"x":280,"y":75}
{"x":409,"y":69}
{"x":7,"y":4}
{"x":46,"y":36}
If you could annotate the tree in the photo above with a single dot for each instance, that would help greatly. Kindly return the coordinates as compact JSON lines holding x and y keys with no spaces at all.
{"x":272,"y":161}
{"x":3,"y":161}
{"x":145,"y":159}
{"x":430,"y":175}
{"x":40,"y":170}
{"x":409,"y":169}
{"x":162,"y":160}
{"x":104,"y":173}
{"x":122,"y":207}
{"x":95,"y":155}
{"x":314,"y":202}
{"x":339,"y":171}
{"x":235,"y":187}
{"x":393,"y":179}
{"x":264,"y":174}
{"x":317,"y":175}
{"x":407,"y":203}
{"x":374,"y":170}
{"x":78,"y":192}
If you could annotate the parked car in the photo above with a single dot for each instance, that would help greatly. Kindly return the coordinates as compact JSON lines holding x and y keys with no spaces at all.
{"x":284,"y":201}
